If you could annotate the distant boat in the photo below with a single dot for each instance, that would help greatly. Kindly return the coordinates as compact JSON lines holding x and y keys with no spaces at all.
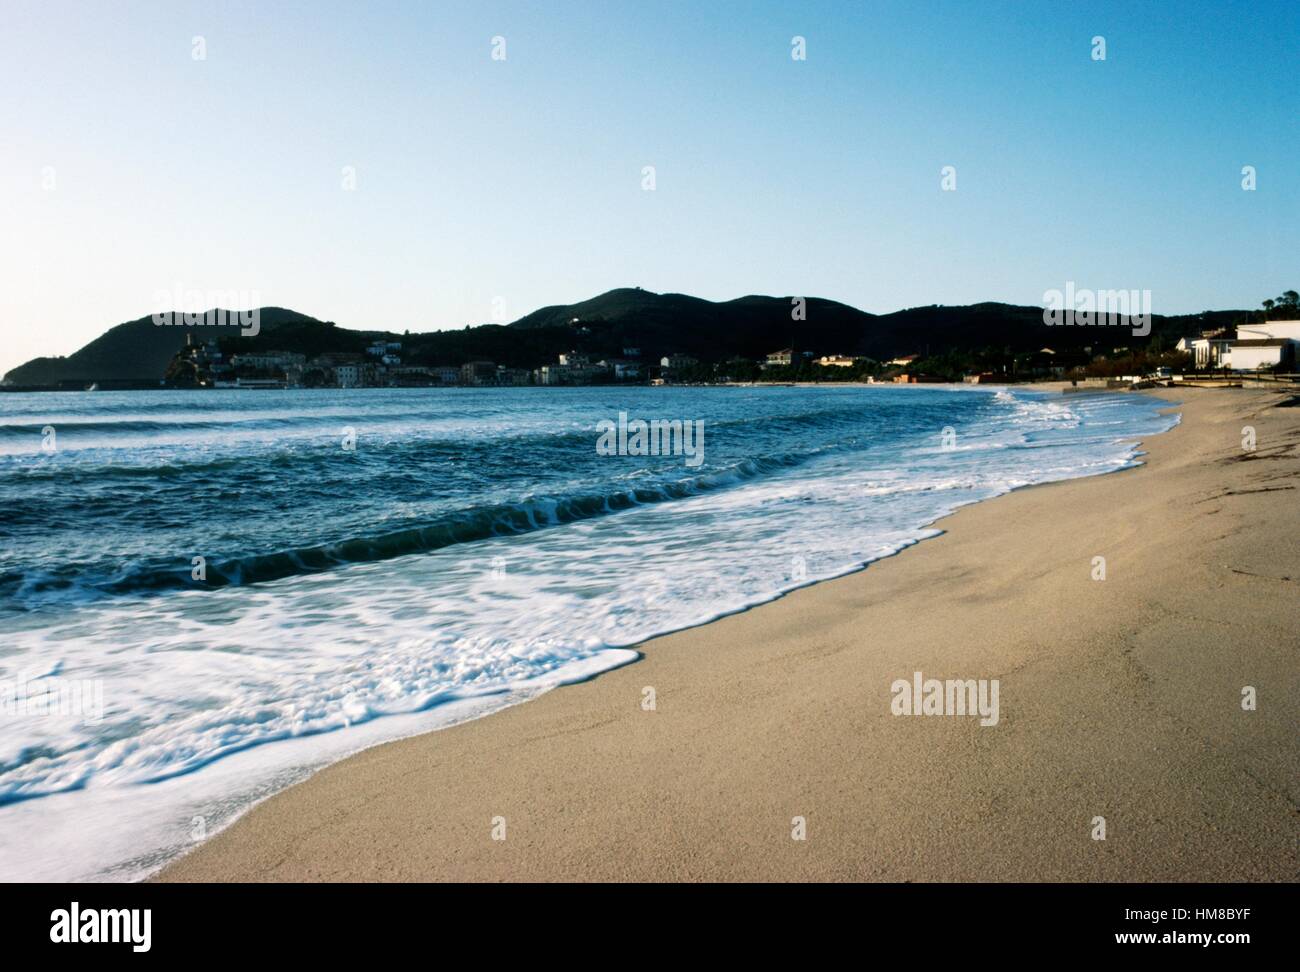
{"x":93,"y":386}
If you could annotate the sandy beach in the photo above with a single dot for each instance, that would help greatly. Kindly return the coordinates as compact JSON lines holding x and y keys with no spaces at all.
{"x":1119,"y":698}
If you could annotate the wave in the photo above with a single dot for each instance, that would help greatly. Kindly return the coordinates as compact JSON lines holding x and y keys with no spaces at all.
{"x":457,"y":527}
{"x":138,"y":426}
{"x":324,"y":663}
{"x":307,"y":426}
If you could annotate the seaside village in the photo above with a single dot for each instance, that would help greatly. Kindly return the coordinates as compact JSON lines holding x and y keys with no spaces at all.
{"x":382,"y":366}
{"x":1249,"y":349}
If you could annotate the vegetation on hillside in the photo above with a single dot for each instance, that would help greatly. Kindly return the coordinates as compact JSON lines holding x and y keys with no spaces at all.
{"x":726,"y":337}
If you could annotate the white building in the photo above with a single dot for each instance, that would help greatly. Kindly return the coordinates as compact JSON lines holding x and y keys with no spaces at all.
{"x":1265,"y":345}
{"x":1286,"y":330}
{"x":1252,"y":355}
{"x":1206,"y":351}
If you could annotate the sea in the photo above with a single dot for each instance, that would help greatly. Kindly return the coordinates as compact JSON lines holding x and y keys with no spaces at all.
{"x":205,"y":596}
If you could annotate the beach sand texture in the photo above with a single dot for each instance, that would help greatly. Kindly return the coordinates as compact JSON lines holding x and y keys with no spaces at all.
{"x":1119,"y":698}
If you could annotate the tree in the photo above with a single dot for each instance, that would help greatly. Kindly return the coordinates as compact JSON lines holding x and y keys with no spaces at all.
{"x":1286,"y":305}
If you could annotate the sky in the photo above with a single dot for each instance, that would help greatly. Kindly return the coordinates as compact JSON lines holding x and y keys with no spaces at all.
{"x":375,"y":165}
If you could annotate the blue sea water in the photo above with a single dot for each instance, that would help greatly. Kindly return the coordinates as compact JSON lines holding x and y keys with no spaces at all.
{"x":472,"y":549}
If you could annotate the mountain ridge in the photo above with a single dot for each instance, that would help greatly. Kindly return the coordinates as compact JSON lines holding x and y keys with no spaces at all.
{"x":748,"y":326}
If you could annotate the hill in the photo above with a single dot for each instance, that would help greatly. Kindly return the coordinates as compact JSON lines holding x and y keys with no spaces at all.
{"x":755,"y":325}
{"x":603,"y":326}
{"x":139,"y":350}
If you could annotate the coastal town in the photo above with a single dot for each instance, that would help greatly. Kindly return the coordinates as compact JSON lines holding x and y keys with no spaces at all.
{"x":382,"y":366}
{"x":629,"y":336}
{"x":1265,"y":348}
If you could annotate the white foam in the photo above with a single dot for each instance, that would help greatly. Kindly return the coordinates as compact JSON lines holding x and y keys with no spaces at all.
{"x":217,"y":698}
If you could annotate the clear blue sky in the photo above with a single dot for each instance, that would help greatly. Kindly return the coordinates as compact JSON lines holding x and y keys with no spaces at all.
{"x":521,"y":179}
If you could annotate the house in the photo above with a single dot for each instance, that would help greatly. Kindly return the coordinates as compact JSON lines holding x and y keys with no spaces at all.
{"x":904,"y":361}
{"x":478,"y":373}
{"x":267,"y":360}
{"x":1284,"y":330}
{"x":781,"y":358}
{"x":677,"y":361}
{"x":1210,"y":350}
{"x":573,"y":369}
{"x":513,"y":376}
{"x":1257,"y":353}
{"x":1267,"y":345}
{"x":588,"y":374}
{"x":414,"y":376}
{"x":340,"y":369}
{"x":836,"y":361}
{"x":908,"y":379}
{"x":623,"y":369}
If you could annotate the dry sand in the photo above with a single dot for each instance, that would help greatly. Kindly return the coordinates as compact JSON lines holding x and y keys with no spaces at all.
{"x":1119,"y":698}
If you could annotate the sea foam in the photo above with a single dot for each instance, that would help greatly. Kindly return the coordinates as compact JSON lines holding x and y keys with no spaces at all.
{"x":474,"y":552}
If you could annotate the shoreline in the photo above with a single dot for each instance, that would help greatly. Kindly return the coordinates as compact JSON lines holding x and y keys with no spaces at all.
{"x":705,"y":786}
